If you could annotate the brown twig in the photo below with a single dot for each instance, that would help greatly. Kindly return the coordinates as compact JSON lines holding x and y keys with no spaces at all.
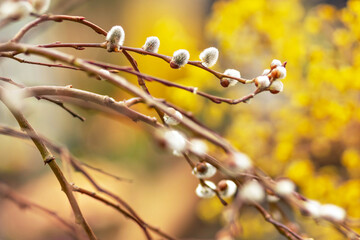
{"x":194,"y":90}
{"x":55,"y":101}
{"x":77,"y":166}
{"x":49,"y":159}
{"x":167,"y":59}
{"x":56,"y":18}
{"x":117,"y":81}
{"x":284,"y":230}
{"x":6,"y":192}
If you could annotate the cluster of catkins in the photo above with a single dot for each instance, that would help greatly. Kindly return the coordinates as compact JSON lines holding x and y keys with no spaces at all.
{"x":251,"y":191}
{"x":16,"y":10}
{"x":270,"y":79}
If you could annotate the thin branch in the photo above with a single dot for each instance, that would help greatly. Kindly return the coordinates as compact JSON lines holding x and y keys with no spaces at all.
{"x":6,"y":192}
{"x":193,"y":90}
{"x":117,"y":207}
{"x":49,"y":159}
{"x":284,"y":230}
{"x":76,"y":164}
{"x":117,"y":81}
{"x":56,"y":18}
{"x":81,"y":46}
{"x":89,"y":97}
{"x":55,"y":101}
{"x":106,"y":173}
{"x":20,"y":60}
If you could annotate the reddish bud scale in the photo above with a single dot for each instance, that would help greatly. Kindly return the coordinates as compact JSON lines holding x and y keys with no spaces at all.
{"x":174,"y":65}
{"x":224,"y":82}
{"x":201,"y":167}
{"x":222,"y":185}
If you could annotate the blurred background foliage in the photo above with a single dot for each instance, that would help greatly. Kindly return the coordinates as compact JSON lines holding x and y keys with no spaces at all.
{"x":309,"y":133}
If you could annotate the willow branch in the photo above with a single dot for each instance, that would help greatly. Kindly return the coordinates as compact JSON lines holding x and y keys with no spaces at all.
{"x":56,"y":18}
{"x":55,"y":101}
{"x":86,"y":96}
{"x":76,"y":164}
{"x":117,"y":81}
{"x":81,"y":46}
{"x":49,"y":159}
{"x":6,"y":192}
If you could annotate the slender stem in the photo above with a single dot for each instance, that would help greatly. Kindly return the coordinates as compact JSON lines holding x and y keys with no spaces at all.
{"x":77,"y":165}
{"x":49,"y":159}
{"x":56,"y":18}
{"x":6,"y":192}
{"x":55,"y":101}
{"x":86,"y":96}
{"x":118,"y":81}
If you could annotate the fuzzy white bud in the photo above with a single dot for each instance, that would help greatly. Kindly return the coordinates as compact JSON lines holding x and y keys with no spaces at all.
{"x":313,"y":207}
{"x":279,"y":72}
{"x":262,"y":82}
{"x":180,"y":58}
{"x":240,"y":162}
{"x":115,"y":38}
{"x":175,"y":140}
{"x":204,"y":191}
{"x":272,"y":198}
{"x":266,"y":72}
{"x":275,"y":63}
{"x":198,"y":147}
{"x":209,"y":56}
{"x":276,"y":87}
{"x":152,"y":44}
{"x":252,"y":191}
{"x":284,"y":187}
{"x":15,"y":10}
{"x":332,"y":212}
{"x":232,"y":73}
{"x":170,"y":120}
{"x":40,"y":6}
{"x":177,"y":153}
{"x":204,"y":170}
{"x":227,"y":188}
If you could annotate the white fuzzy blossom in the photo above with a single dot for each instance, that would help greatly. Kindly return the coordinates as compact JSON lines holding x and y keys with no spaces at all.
{"x":170,"y":120}
{"x":204,"y":170}
{"x":332,"y":212}
{"x":284,"y":187}
{"x":275,"y":63}
{"x":227,"y":188}
{"x":272,"y":198}
{"x":209,"y":56}
{"x":240,"y":162}
{"x":180,"y":58}
{"x":198,"y":147}
{"x":40,"y":6}
{"x":152,"y":44}
{"x":262,"y":82}
{"x":115,"y":38}
{"x":279,"y":72}
{"x":175,"y":140}
{"x":313,"y":207}
{"x":276,"y":87}
{"x":15,"y":10}
{"x":266,"y":72}
{"x":252,"y":191}
{"x":204,"y":191}
{"x":232,"y":73}
{"x":177,"y":153}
